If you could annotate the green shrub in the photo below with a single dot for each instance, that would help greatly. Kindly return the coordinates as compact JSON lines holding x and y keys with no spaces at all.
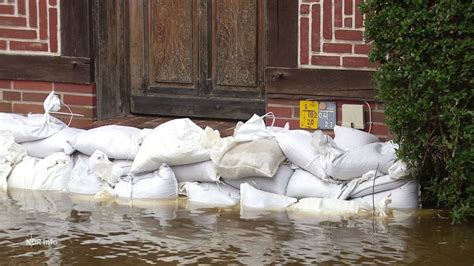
{"x":425,"y":79}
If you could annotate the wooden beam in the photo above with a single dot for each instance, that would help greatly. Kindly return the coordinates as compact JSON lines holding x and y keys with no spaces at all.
{"x":281,"y":29}
{"x":320,"y":82}
{"x":185,"y":106}
{"x":45,"y":68}
{"x":75,"y":28}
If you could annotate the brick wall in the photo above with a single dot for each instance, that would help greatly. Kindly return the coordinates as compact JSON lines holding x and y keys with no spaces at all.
{"x":29,"y":27}
{"x":23,"y":97}
{"x":288,"y":111}
{"x":32,"y":27}
{"x":331,"y":35}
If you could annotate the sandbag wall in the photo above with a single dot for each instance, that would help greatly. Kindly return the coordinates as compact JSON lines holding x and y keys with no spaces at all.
{"x":259,"y":166}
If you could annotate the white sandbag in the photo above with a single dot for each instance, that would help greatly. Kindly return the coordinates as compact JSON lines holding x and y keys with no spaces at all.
{"x":212,"y":194}
{"x":101,"y":166}
{"x":405,"y":197}
{"x":121,"y":167}
{"x":382,"y":183}
{"x":83,"y":180}
{"x":50,"y":173}
{"x":349,"y":138}
{"x":11,"y":153}
{"x":117,"y":142}
{"x":31,"y":128}
{"x":235,"y":159}
{"x":276,"y":184}
{"x":338,"y":207}
{"x":357,"y":161}
{"x":160,"y":184}
{"x":303,"y":184}
{"x":255,"y":128}
{"x":398,"y":170}
{"x":195,"y":172}
{"x":175,"y":142}
{"x":61,"y":141}
{"x":296,"y":145}
{"x":251,"y":197}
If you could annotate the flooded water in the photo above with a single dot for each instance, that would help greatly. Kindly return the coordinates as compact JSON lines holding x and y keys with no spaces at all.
{"x":55,"y":228}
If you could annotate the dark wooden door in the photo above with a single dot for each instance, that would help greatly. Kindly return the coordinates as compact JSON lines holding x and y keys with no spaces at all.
{"x":201,"y":58}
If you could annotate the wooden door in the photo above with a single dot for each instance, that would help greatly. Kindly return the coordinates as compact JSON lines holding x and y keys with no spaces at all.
{"x":201,"y":58}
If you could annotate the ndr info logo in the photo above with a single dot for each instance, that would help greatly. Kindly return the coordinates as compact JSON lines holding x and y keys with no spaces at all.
{"x":40,"y":242}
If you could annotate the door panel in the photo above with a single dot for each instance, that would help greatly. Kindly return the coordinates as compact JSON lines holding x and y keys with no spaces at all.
{"x":236,"y":42}
{"x":171,"y":42}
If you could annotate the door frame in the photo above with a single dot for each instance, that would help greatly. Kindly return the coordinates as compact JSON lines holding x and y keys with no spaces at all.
{"x":230,"y":106}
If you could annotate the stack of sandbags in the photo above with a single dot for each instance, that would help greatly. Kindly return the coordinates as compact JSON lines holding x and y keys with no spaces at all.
{"x":211,"y":194}
{"x":50,"y":173}
{"x":11,"y":154}
{"x":61,"y":141}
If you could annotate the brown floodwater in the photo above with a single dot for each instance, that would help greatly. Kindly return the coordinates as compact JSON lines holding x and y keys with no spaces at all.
{"x":56,"y":228}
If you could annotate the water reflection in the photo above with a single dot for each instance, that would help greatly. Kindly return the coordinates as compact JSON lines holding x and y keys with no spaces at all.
{"x":177,"y":231}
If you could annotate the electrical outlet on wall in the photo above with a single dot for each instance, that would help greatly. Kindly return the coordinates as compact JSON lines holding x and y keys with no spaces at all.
{"x":353,"y":116}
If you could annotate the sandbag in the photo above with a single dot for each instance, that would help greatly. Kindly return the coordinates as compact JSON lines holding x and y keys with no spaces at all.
{"x":83,"y":179}
{"x":354,"y":163}
{"x":212,"y":194}
{"x":117,"y":142}
{"x":121,"y":167}
{"x":235,"y":159}
{"x":175,"y":142}
{"x":405,"y":197}
{"x":251,"y":197}
{"x":348,"y":138}
{"x":61,"y":141}
{"x":195,"y":172}
{"x":338,"y":207}
{"x":382,"y":183}
{"x":398,"y":170}
{"x":50,"y":173}
{"x":303,"y":184}
{"x":160,"y":184}
{"x":277,"y":184}
{"x":296,"y":145}
{"x":11,"y":153}
{"x":30,"y":128}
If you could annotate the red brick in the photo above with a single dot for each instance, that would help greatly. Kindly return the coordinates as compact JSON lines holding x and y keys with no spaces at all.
{"x":25,"y":108}
{"x":43,"y":19}
{"x":5,"y":84}
{"x":304,"y":9}
{"x":86,"y":112}
{"x":3,"y":45}
{"x":379,"y":106}
{"x":378,"y":117}
{"x":281,"y":112}
{"x":12,"y":21}
{"x":34,"y":97}
{"x":327,"y":19}
{"x":53,"y":29}
{"x":21,"y":7}
{"x":358,"y":18}
{"x":296,"y":112}
{"x":7,"y":9}
{"x":310,"y":1}
{"x":338,"y":13}
{"x":80,"y":100}
{"x":349,"y":35}
{"x":316,"y":29}
{"x":294,"y":124}
{"x":325,"y":60}
{"x":304,"y":41}
{"x":18,"y":34}
{"x":33,"y":85}
{"x":362,"y":48}
{"x":337,"y":48}
{"x":52,"y":2}
{"x":76,"y":88}
{"x":32,"y":11}
{"x":348,"y":7}
{"x":11,"y":96}
{"x":5,"y":107}
{"x":379,"y":129}
{"x":348,"y":22}
{"x":358,"y":62}
{"x":28,"y":46}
